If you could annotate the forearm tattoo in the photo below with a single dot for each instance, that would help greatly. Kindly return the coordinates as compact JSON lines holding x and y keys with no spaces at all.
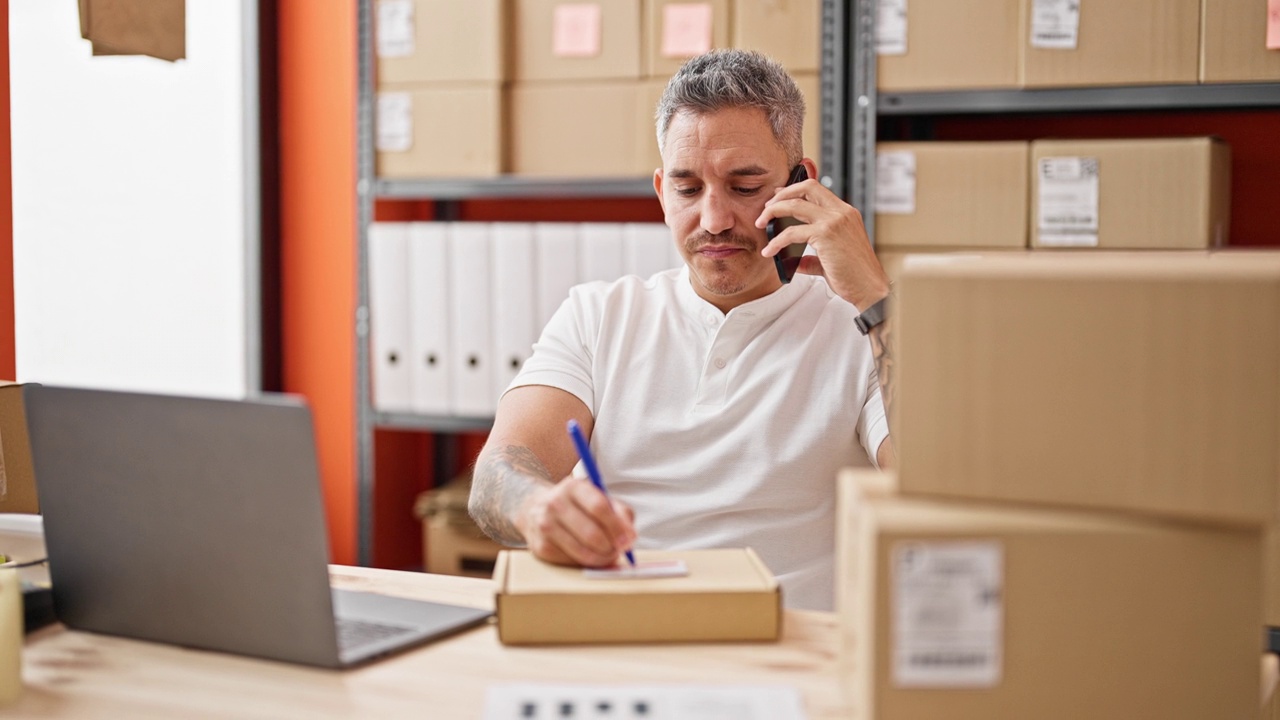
{"x":886,"y":365}
{"x":502,"y":479}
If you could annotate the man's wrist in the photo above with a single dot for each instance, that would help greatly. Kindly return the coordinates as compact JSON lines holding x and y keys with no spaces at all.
{"x":874,"y":314}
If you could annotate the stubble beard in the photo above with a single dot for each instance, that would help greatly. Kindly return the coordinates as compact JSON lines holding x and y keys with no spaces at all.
{"x":723,"y":277}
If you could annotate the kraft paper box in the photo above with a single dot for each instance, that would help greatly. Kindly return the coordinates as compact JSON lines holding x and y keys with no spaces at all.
{"x":557,"y":40}
{"x":1135,"y":42}
{"x":440,"y":131}
{"x":424,"y":41}
{"x":970,"y":612}
{"x":895,"y":258}
{"x":728,"y":594}
{"x":789,"y":31}
{"x":1143,"y":382}
{"x":676,"y":30}
{"x":1234,"y":42}
{"x":951,"y":45}
{"x":1171,"y":193}
{"x":608,"y":133}
{"x":951,"y":194}
{"x":17,"y":475}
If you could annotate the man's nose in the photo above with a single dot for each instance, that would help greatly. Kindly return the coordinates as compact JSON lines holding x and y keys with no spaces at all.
{"x":717,"y":213}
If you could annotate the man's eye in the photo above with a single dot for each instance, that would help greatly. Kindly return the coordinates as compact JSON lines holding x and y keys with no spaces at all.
{"x":747,"y":190}
{"x":687,"y":191}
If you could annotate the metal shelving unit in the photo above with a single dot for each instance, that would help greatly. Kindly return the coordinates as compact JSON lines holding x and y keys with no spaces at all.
{"x":449,"y":191}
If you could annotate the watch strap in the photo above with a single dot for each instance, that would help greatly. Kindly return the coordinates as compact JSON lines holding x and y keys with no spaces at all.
{"x":874,"y":315}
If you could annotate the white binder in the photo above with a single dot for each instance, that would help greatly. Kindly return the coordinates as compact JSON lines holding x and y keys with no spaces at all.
{"x":429,"y":319}
{"x":600,"y":252}
{"x":514,"y":315}
{"x":470,"y":314}
{"x":389,"y":315}
{"x":646,"y":248}
{"x":556,"y":246}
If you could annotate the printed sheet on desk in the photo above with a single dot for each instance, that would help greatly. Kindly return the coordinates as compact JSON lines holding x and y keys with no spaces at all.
{"x":517,"y":701}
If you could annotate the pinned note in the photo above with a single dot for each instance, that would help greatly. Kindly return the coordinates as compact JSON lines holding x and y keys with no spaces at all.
{"x":686,"y":29}
{"x":575,"y":30}
{"x":654,"y":569}
{"x":1273,"y":24}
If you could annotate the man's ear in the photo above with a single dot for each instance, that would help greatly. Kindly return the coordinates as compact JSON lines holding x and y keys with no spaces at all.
{"x":657,"y":188}
{"x":810,"y":167}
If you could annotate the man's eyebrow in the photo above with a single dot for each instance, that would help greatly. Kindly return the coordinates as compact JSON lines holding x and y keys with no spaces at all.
{"x":748,"y":171}
{"x":682,"y":174}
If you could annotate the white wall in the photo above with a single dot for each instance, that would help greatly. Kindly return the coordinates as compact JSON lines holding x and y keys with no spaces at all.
{"x":129,"y":203}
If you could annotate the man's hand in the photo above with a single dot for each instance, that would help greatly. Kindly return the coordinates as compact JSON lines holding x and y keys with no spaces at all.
{"x":573,"y":523}
{"x":835,"y":231}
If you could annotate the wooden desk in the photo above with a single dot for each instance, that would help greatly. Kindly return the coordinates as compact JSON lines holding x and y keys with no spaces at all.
{"x":69,"y":673}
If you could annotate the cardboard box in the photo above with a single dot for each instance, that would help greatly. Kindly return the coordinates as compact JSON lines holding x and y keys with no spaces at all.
{"x":676,"y":30}
{"x":971,"y":612}
{"x":954,"y":45}
{"x":894,"y":259}
{"x":952,"y":194}
{"x":440,"y":131}
{"x":647,"y":128}
{"x":452,"y":543}
{"x":1271,"y":576}
{"x":789,"y":31}
{"x":1136,"y":42}
{"x":1233,"y":42}
{"x":811,"y":88}
{"x":606,"y":135}
{"x":1172,"y":194}
{"x":427,"y":41}
{"x":1143,"y":382}
{"x":17,"y":475}
{"x":728,"y":594}
{"x":557,"y":40}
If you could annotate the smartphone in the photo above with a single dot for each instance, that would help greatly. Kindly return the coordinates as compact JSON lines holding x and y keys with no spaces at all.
{"x":787,"y":259}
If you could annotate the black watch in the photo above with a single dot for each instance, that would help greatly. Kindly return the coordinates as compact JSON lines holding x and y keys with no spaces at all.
{"x":873,"y":315}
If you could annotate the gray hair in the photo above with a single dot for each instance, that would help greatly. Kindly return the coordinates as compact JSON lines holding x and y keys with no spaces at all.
{"x":723,"y":79}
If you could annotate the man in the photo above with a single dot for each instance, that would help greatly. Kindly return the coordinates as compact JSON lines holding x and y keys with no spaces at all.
{"x":720,"y":402}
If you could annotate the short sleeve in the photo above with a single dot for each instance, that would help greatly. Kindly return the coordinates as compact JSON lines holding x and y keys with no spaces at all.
{"x":873,"y":424}
{"x":563,"y":355}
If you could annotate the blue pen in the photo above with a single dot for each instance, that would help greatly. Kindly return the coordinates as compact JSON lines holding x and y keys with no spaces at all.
{"x":589,"y":462}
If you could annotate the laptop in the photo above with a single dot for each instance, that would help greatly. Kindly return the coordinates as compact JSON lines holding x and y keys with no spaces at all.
{"x":198,"y":522}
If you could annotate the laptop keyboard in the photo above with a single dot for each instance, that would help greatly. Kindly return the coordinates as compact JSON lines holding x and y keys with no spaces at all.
{"x":355,"y":634}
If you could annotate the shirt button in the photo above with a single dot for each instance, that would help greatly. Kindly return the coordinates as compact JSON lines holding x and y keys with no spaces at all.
{"x":711,"y":319}
{"x":720,"y":363}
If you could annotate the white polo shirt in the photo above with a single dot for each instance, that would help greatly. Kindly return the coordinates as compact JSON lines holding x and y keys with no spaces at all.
{"x":722,"y":430}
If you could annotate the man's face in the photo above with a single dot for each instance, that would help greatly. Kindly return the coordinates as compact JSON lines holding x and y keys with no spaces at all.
{"x":718,"y":169}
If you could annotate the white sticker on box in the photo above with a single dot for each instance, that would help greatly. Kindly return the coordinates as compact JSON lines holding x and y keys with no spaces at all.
{"x":1055,"y":24}
{"x":895,"y":182}
{"x":4,"y":480}
{"x":1068,"y":201}
{"x":891,"y":27}
{"x":394,"y":28}
{"x":948,"y":614}
{"x":395,"y":122}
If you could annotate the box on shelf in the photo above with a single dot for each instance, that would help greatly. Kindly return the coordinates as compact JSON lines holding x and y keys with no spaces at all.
{"x":1171,"y":194}
{"x":1142,"y":382}
{"x":452,"y":543}
{"x":605,"y":135}
{"x":811,"y":88}
{"x":17,"y":475}
{"x":676,"y":30}
{"x":439,"y":131}
{"x":728,"y":594}
{"x":893,"y":259}
{"x":954,"y":194}
{"x":1102,"y":42}
{"x":789,"y":31}
{"x":971,"y":611}
{"x":950,"y":45}
{"x":1271,"y":575}
{"x":556,"y":40}
{"x":423,"y":41}
{"x":1234,"y":43}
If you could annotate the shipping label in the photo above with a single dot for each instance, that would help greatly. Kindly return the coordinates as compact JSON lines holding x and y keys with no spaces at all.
{"x":1055,"y":24}
{"x":394,"y":122}
{"x":1068,"y":201}
{"x":948,"y":614}
{"x":393,"y":27}
{"x":895,"y":182}
{"x":891,"y":27}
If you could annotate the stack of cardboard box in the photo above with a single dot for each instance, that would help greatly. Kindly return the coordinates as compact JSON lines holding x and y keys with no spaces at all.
{"x":965,"y":44}
{"x":1088,"y":458}
{"x":558,"y":89}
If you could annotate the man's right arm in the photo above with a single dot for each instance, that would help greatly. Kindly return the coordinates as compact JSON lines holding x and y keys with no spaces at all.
{"x":521,"y":491}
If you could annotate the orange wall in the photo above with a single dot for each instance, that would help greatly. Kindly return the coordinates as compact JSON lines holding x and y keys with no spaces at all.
{"x":8,"y":371}
{"x":317,"y":96}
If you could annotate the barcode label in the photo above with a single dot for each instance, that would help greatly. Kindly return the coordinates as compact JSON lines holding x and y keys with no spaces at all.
{"x":1067,"y":201}
{"x":891,"y":27}
{"x":895,"y":182}
{"x":1055,"y":24}
{"x":948,"y":614}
